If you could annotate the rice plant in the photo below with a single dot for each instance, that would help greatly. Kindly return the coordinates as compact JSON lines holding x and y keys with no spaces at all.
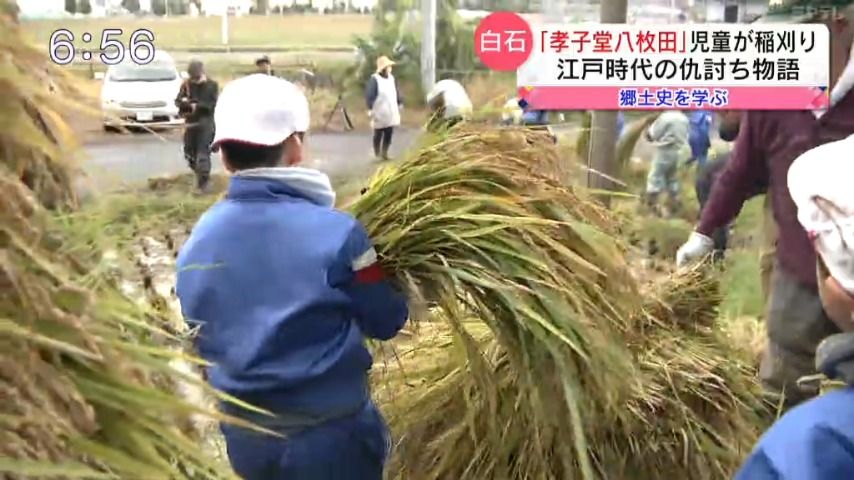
{"x":85,"y":374}
{"x":582,"y":372}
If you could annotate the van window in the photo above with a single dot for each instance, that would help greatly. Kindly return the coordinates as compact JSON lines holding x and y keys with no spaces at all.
{"x":153,"y":72}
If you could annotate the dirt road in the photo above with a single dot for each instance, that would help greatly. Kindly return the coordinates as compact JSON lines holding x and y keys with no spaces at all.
{"x":115,"y":159}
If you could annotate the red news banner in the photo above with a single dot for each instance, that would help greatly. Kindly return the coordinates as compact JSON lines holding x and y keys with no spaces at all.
{"x":683,"y":66}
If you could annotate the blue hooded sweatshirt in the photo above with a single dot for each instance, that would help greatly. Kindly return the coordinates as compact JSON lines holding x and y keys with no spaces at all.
{"x":285,"y":289}
{"x":698,"y":136}
{"x":815,"y":440}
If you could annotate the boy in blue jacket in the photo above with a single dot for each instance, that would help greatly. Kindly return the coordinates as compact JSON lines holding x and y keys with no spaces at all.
{"x":815,"y":440}
{"x":284,"y":289}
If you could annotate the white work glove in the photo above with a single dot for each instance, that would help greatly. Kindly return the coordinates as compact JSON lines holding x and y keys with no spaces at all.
{"x":697,"y":247}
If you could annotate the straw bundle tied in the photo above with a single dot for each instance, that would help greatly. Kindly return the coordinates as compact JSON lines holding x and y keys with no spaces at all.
{"x":552,"y":365}
{"x":86,"y":382}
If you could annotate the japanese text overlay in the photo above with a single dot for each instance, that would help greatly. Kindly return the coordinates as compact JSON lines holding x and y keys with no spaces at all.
{"x":683,"y":66}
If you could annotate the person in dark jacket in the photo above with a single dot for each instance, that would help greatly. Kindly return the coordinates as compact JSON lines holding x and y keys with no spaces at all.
{"x":728,"y":125}
{"x":815,"y":441}
{"x":284,"y":289}
{"x":707,"y":173}
{"x":384,"y":102}
{"x":768,"y":141}
{"x":264,"y":65}
{"x":196,"y":101}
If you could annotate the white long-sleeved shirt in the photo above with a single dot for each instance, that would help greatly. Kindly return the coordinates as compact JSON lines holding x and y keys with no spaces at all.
{"x":457,"y":102}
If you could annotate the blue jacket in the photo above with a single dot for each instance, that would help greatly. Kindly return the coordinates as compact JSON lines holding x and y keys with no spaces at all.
{"x":814,"y":441}
{"x":285,"y":289}
{"x":698,"y":136}
{"x":535,"y":117}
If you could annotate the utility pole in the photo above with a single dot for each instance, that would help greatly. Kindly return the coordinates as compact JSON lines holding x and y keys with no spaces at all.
{"x":428,"y":45}
{"x":602,"y":159}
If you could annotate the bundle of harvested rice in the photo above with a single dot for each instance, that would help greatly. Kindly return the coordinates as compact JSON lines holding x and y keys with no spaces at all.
{"x":575,"y":377}
{"x":86,"y":383}
{"x":630,"y":138}
{"x":699,"y":410}
{"x":32,"y":132}
{"x":476,"y":225}
{"x":625,"y":144}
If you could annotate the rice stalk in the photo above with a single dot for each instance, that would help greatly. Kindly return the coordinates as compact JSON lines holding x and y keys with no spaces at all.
{"x":630,"y":138}
{"x":578,"y":375}
{"x":85,"y":379}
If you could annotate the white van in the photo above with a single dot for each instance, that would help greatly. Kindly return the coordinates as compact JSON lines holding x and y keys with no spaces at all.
{"x":134,"y":95}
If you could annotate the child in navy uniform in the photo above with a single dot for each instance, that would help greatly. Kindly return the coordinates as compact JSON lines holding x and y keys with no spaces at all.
{"x":285,"y":289}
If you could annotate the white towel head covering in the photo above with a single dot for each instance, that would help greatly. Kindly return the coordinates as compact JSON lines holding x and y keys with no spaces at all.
{"x":821,"y":183}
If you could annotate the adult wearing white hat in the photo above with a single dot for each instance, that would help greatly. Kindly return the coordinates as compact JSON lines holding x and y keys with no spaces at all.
{"x":284,"y":290}
{"x":449,"y":104}
{"x":384,"y":101}
{"x":814,"y":440}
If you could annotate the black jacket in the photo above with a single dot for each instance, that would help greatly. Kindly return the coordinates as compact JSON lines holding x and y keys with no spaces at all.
{"x":203,"y":94}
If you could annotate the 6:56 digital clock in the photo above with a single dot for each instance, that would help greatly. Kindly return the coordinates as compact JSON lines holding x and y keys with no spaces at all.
{"x":112,"y":50}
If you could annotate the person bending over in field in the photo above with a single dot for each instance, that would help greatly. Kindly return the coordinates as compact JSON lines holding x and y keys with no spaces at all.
{"x":449,"y":104}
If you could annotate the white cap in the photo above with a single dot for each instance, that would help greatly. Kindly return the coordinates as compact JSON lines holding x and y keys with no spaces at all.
{"x":820,"y":183}
{"x":260,"y":110}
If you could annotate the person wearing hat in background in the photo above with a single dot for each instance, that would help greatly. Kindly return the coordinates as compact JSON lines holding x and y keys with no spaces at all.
{"x":449,"y":104}
{"x":264,"y":65}
{"x":284,"y":289}
{"x":815,"y":441}
{"x":384,"y":102}
{"x":196,"y":101}
{"x":767,"y":144}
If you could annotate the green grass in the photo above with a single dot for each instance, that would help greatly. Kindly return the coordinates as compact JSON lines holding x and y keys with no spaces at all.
{"x":742,"y":286}
{"x":741,"y":281}
{"x":288,"y":31}
{"x":668,"y":233}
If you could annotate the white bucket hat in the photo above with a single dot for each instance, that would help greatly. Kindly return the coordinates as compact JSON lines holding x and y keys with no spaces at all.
{"x":260,"y":110}
{"x":821,"y":183}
